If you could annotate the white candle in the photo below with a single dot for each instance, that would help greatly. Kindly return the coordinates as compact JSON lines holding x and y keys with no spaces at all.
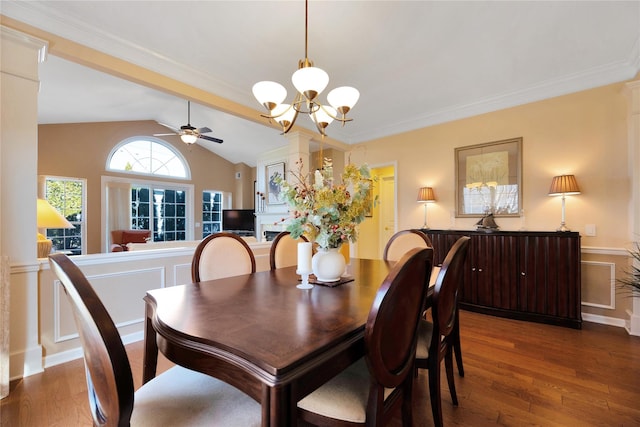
{"x":304,"y":257}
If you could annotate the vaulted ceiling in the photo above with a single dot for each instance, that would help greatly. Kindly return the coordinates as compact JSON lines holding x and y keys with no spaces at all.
{"x":415,"y":63}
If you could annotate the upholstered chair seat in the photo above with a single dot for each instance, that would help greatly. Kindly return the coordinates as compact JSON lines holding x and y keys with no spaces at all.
{"x":182,"y":397}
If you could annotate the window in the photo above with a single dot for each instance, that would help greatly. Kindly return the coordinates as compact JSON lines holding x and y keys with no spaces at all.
{"x":211,"y":212}
{"x":161,"y":210}
{"x":149,"y":156}
{"x":67,"y":195}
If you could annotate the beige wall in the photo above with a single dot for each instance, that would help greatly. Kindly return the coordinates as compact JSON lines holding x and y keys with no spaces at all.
{"x":583,"y":134}
{"x":81,"y":150}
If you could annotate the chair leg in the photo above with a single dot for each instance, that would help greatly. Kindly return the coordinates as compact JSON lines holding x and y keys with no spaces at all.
{"x":448,"y":366}
{"x":407,"y":401}
{"x":456,"y":343}
{"x":434,"y":391}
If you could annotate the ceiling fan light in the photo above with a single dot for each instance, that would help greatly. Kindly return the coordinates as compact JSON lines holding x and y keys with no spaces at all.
{"x":188,"y":138}
{"x":310,"y":81}
{"x":343,"y":98}
{"x":269,"y":93}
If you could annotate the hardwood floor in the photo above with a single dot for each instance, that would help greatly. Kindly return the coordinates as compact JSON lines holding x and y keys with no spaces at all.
{"x":516,"y":374}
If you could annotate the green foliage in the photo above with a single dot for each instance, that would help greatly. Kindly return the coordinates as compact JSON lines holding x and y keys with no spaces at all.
{"x":631,"y":282}
{"x":325,"y":211}
{"x":66,"y":197}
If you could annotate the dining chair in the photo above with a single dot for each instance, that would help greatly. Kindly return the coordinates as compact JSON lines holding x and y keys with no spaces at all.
{"x":436,"y":338}
{"x":222,"y":255}
{"x":404,"y":240}
{"x":284,"y":250}
{"x":369,"y":391}
{"x":177,"y":397}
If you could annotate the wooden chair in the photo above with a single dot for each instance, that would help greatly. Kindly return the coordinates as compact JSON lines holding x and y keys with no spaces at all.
{"x":436,"y":339}
{"x":222,"y":255}
{"x":177,"y":397}
{"x":400,"y":243}
{"x":404,"y":240}
{"x":284,"y":250}
{"x":369,"y":391}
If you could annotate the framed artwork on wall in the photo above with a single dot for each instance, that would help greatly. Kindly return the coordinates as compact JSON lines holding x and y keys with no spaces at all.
{"x":274,"y":190}
{"x":489,"y":179}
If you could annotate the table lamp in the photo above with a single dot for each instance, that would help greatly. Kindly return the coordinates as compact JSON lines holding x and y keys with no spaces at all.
{"x":563,"y":185}
{"x":48,"y":217}
{"x":425,"y":195}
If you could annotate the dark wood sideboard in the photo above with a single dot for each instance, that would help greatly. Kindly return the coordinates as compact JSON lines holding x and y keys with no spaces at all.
{"x":521,"y":275}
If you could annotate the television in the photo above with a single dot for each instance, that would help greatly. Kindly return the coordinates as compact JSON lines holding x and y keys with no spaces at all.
{"x":241,"y":221}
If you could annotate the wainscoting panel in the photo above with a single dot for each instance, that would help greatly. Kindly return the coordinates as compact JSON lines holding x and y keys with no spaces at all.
{"x":110,"y":288}
{"x":598,"y":284}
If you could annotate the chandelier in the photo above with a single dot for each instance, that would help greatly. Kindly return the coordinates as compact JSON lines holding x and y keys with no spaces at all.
{"x":309,"y":81}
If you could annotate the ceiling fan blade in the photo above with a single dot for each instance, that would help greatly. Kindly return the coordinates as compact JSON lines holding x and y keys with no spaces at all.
{"x":210,"y":138}
{"x":174,"y":129}
{"x":164,"y":134}
{"x":204,"y":130}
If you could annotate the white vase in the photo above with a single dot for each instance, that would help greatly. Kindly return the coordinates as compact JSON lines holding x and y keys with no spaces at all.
{"x":328,"y":264}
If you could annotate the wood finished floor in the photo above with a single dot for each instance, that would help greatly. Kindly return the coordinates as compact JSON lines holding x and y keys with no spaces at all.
{"x":516,"y":374}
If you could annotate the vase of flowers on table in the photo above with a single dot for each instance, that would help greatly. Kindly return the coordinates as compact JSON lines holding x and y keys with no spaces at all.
{"x":327,"y":212}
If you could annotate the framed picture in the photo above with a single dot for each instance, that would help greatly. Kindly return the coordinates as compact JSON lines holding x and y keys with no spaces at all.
{"x":274,"y":190}
{"x":489,"y":179}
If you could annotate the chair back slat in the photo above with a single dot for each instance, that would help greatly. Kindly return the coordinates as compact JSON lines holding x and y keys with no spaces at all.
{"x":284,"y":250}
{"x":109,"y":378}
{"x":404,"y":240}
{"x":445,"y":293}
{"x":391,"y":329}
{"x":222,"y":255}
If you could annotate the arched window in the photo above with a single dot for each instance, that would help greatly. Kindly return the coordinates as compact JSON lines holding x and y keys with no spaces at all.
{"x":149,"y":156}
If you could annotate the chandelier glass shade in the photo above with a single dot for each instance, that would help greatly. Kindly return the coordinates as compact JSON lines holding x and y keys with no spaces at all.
{"x":309,"y":82}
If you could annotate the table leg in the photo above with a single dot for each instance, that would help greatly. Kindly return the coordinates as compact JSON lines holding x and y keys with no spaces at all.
{"x":150,"y":357}
{"x":282,"y":411}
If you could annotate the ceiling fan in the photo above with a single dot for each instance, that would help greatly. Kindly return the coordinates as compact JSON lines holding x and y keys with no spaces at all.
{"x":189,"y":134}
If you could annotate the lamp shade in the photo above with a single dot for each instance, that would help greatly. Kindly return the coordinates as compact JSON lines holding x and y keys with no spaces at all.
{"x":343,"y":98}
{"x":322,"y":117}
{"x":310,"y":81}
{"x":269,"y":93}
{"x":425,"y":194}
{"x":564,"y":184}
{"x":49,"y":217}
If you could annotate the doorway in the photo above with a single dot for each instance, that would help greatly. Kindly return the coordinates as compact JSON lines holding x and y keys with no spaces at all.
{"x":375,"y":231}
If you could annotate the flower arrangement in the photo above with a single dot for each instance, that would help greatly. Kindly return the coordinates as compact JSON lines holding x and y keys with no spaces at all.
{"x":327,"y":212}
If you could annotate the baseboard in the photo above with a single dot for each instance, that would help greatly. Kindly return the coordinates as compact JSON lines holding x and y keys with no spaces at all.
{"x":76,"y":353}
{"x":603,"y":320}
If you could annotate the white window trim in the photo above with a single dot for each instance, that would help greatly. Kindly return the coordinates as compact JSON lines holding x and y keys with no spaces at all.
{"x":190,"y":201}
{"x":154,"y":140}
{"x":83,"y":227}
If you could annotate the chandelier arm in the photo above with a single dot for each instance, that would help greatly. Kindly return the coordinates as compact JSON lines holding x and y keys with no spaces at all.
{"x":342,"y":119}
{"x":293,"y":120}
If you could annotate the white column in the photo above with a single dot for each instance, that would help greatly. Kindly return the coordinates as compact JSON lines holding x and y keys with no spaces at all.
{"x":299,"y":149}
{"x":19,"y":85}
{"x":633,"y":126}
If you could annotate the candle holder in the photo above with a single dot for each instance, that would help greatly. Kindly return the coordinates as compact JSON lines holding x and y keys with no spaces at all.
{"x":305,"y":280}
{"x":304,"y":264}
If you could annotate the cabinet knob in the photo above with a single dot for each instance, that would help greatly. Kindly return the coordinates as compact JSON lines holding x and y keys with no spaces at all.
{"x":523,"y":273}
{"x":479,"y":270}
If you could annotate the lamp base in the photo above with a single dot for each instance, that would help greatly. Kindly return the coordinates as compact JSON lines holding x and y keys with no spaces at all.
{"x":44,"y":246}
{"x":562,"y":228}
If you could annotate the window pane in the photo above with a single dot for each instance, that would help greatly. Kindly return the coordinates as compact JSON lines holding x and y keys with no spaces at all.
{"x":148,"y":156}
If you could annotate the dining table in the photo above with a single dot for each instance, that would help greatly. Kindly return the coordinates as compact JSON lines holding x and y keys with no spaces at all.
{"x":261,"y":334}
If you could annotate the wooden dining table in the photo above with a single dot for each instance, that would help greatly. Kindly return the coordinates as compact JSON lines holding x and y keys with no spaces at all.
{"x":261,"y":334}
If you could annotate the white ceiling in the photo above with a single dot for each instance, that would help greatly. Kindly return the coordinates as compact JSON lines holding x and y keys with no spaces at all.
{"x":415,"y":63}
